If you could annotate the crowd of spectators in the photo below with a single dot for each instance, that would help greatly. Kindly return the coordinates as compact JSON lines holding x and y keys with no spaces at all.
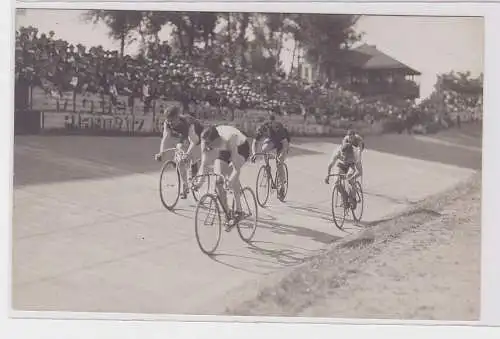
{"x":207,"y":77}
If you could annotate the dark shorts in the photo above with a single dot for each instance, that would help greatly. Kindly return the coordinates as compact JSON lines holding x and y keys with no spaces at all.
{"x":243,"y":150}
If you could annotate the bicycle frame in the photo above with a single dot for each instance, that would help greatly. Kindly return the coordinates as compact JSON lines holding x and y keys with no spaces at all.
{"x":267,"y":157}
{"x":178,"y":155}
{"x":217,"y":194}
{"x":340,"y":181}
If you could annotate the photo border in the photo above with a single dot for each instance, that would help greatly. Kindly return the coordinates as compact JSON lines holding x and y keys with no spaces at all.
{"x":490,"y":273}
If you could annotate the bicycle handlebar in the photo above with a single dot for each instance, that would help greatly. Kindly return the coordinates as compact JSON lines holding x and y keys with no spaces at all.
{"x":337,"y":175}
{"x":265,"y":155}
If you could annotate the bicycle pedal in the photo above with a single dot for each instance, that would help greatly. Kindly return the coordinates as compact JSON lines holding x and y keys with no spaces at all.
{"x":229,"y":227}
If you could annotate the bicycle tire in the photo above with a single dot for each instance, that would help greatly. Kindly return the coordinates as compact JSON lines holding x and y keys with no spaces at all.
{"x":263,"y":173}
{"x":282,"y":197}
{"x":164,"y":168}
{"x":217,"y":218}
{"x":255,"y":216}
{"x":338,"y":223}
{"x":359,"y":192}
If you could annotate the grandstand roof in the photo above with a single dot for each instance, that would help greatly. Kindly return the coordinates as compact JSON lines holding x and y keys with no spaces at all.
{"x":369,"y":57}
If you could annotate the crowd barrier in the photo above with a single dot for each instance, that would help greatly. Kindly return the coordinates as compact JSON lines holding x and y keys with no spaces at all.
{"x":71,"y":112}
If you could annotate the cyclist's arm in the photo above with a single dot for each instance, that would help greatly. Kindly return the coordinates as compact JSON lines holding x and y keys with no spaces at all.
{"x":206,"y":157}
{"x":256,"y":139}
{"x":254,"y":146}
{"x":361,"y":143}
{"x":236,"y":162}
{"x":332,"y":162}
{"x":193,"y":140}
{"x":357,"y":169}
{"x":165,"y":135}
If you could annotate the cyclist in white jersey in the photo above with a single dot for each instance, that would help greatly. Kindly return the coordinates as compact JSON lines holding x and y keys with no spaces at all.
{"x":226,"y":147}
{"x":346,"y":159}
{"x":357,"y":141}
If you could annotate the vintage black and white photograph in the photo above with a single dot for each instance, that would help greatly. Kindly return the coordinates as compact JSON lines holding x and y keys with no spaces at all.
{"x":247,"y":164}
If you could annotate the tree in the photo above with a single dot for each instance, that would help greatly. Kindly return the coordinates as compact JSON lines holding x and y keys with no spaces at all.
{"x":324,"y":36}
{"x":244,"y":20}
{"x":121,"y":24}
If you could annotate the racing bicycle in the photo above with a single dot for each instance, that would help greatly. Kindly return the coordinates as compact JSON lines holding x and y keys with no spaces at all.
{"x":211,"y":214}
{"x":170,"y":178}
{"x":341,"y":198}
{"x":266,"y":181}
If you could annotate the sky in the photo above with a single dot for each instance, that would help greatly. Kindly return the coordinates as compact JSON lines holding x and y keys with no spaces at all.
{"x":431,"y":45}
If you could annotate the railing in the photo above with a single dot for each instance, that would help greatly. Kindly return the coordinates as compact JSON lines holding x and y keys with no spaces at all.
{"x":404,"y":88}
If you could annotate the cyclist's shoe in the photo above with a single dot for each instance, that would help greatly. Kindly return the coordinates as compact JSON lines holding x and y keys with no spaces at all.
{"x":281,"y":191}
{"x":238,"y":216}
{"x":157,"y":157}
{"x":234,"y":219}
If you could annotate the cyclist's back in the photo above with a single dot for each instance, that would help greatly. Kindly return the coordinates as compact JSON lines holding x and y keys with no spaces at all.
{"x":185,"y":126}
{"x":274,"y":130}
{"x":231,"y":135}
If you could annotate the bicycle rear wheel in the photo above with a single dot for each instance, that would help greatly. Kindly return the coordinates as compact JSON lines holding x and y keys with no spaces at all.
{"x":263,"y":186}
{"x":170,"y":185}
{"x":281,"y":197}
{"x":248,"y":225}
{"x":207,"y":219}
{"x":357,"y":212}
{"x":338,"y":207}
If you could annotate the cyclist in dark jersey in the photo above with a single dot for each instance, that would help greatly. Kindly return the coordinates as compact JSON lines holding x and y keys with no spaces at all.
{"x":187,"y":130}
{"x":276,"y":137}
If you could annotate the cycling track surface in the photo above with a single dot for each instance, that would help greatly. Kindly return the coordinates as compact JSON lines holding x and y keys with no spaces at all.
{"x":90,"y":234}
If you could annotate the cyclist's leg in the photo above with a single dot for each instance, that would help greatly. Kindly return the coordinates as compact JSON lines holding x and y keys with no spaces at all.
{"x":183,"y":170}
{"x":238,"y":160}
{"x":221,"y":167}
{"x":281,"y":155}
{"x":342,"y":169}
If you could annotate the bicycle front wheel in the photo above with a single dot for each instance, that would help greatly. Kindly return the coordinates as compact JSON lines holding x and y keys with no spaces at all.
{"x":248,"y":225}
{"x":357,"y":212}
{"x":208,"y":223}
{"x":170,"y":185}
{"x":282,"y":195}
{"x":338,"y":207}
{"x":263,"y":186}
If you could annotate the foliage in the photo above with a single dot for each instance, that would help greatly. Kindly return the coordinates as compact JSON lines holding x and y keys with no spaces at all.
{"x":253,"y":39}
{"x":121,"y":24}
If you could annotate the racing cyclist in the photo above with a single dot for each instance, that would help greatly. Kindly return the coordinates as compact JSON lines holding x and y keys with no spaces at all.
{"x":188,"y":130}
{"x":357,"y":141}
{"x":346,"y":159}
{"x":276,"y":137}
{"x":225,"y":147}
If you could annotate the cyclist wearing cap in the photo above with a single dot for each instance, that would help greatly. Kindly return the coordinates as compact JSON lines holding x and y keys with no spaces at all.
{"x":187,"y":129}
{"x":226,"y":147}
{"x":275,"y":137}
{"x":346,"y":159}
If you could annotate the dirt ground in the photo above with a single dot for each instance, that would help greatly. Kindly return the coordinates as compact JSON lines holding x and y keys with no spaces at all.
{"x":424,"y":265}
{"x":429,"y":273}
